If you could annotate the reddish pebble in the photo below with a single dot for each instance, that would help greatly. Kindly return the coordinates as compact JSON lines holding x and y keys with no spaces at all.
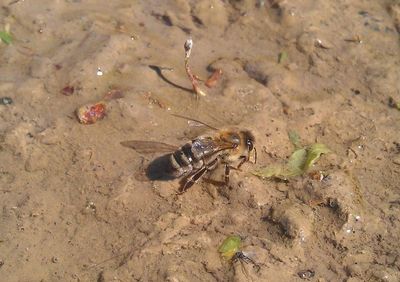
{"x":90,"y":113}
{"x":213,"y":79}
{"x":68,"y":90}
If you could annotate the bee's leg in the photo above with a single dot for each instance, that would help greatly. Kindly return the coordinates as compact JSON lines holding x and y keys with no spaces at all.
{"x":243,"y":160}
{"x":227,"y":172}
{"x":194,"y":177}
{"x":191,"y":179}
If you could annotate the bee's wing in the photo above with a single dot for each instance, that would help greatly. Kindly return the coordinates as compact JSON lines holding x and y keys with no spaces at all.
{"x":206,"y":146}
{"x":148,"y":147}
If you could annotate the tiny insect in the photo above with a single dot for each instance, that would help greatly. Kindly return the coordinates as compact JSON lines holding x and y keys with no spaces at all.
{"x":230,"y":250}
{"x":190,"y":162}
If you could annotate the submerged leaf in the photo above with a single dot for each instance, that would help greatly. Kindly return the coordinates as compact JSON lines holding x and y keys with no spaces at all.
{"x":299,"y":162}
{"x":230,"y":246}
{"x":313,"y":154}
{"x":282,"y":57}
{"x":295,"y":164}
{"x":5,"y":37}
{"x":275,"y":170}
{"x":295,"y":139}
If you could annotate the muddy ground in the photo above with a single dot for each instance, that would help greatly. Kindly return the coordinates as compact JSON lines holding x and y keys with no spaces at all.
{"x":72,"y":205}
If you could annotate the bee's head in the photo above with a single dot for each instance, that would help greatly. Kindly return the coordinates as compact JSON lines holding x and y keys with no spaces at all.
{"x":249,"y":139}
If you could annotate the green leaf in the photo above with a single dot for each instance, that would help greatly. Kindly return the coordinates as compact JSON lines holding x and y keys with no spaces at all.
{"x":299,"y":162}
{"x":296,"y":162}
{"x":282,"y":57}
{"x":5,"y":37}
{"x":230,"y":246}
{"x":295,"y":139}
{"x":274,"y":170}
{"x":313,"y":154}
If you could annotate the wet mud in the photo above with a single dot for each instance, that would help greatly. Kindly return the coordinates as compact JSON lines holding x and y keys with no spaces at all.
{"x":73,"y":207}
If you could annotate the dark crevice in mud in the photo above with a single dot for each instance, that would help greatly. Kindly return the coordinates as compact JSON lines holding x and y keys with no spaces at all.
{"x":163,"y":18}
{"x":255,"y":73}
{"x":198,"y":22}
{"x":186,"y":30}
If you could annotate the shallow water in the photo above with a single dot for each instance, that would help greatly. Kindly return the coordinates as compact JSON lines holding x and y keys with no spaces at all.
{"x":73,"y":206}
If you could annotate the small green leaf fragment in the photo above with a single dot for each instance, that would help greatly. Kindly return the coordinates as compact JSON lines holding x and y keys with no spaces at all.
{"x":295,"y":164}
{"x":313,"y":154}
{"x":5,"y":37}
{"x":394,"y":104}
{"x":282,"y":57}
{"x":299,"y":163}
{"x":274,"y":170}
{"x":295,"y":139}
{"x":230,"y":246}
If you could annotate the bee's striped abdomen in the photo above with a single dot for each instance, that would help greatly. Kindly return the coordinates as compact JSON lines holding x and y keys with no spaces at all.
{"x":183,"y":161}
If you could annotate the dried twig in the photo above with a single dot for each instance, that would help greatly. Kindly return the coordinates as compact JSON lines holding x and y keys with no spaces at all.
{"x":193,"y":78}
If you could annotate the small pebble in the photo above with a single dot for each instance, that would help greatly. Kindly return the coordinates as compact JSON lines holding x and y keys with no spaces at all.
{"x":68,"y":90}
{"x":306,"y":274}
{"x":6,"y":101}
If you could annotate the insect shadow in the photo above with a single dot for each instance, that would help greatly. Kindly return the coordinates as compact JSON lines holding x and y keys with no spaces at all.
{"x":159,"y":71}
{"x":160,"y":169}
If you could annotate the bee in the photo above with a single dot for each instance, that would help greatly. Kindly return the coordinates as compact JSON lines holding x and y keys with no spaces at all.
{"x":190,"y":162}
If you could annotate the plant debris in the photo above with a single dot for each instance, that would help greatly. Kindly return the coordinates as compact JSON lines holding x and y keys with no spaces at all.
{"x":5,"y":35}
{"x":193,"y":78}
{"x":214,"y":78}
{"x":301,"y":160}
{"x":282,"y":57}
{"x":295,"y":139}
{"x":394,"y":104}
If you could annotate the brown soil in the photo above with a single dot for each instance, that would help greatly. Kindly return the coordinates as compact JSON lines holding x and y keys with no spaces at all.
{"x":72,"y":206}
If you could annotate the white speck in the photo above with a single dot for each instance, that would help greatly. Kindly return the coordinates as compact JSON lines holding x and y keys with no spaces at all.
{"x":99,"y":72}
{"x":348,"y":231}
{"x":358,"y":217}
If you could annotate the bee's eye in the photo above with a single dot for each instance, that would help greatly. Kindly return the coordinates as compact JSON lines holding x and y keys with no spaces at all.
{"x":250,"y":145}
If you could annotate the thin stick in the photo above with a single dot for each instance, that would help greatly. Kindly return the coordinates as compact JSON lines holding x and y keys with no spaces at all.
{"x":193,"y":78}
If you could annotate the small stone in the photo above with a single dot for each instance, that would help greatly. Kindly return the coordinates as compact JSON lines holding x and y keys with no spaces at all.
{"x":306,"y":274}
{"x":68,"y":90}
{"x":6,"y":101}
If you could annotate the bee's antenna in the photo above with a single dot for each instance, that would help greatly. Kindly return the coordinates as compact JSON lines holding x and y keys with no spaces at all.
{"x":195,"y":120}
